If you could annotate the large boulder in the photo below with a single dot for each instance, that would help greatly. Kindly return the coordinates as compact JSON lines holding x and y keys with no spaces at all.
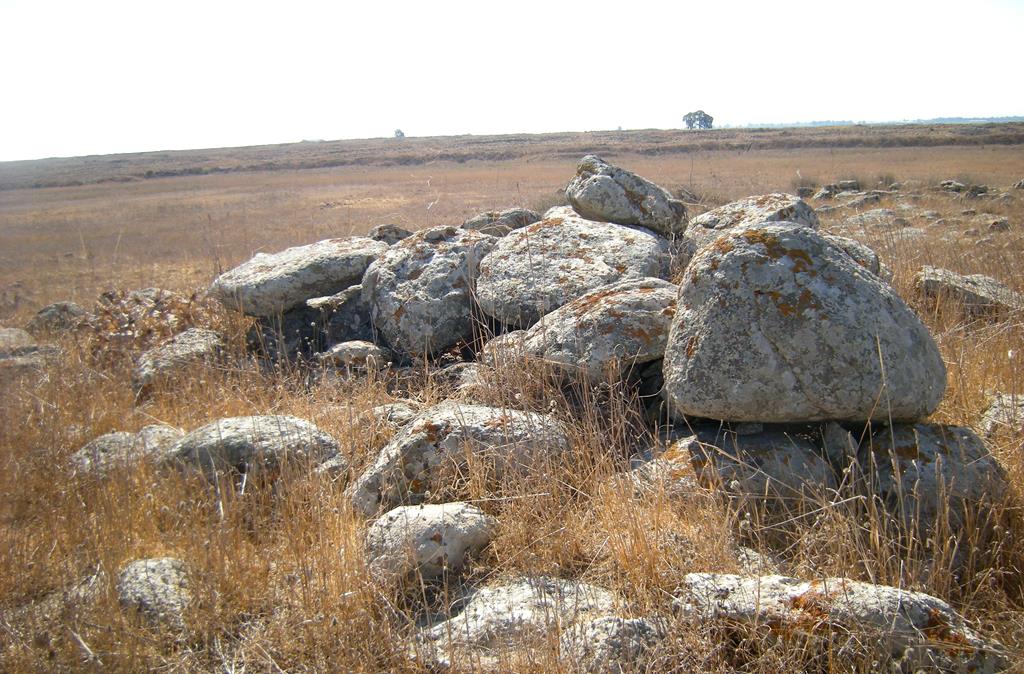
{"x":158,"y":589}
{"x":119,"y":448}
{"x":775,"y":324}
{"x":613,"y":328}
{"x":536,"y":269}
{"x":414,"y":462}
{"x":877,"y":622}
{"x":245,"y":444}
{"x":739,"y":215}
{"x":977,"y":293}
{"x":601,"y":191}
{"x":270,"y":284}
{"x":500,"y":223}
{"x":420,"y":292}
{"x":430,"y":540}
{"x":190,"y":348}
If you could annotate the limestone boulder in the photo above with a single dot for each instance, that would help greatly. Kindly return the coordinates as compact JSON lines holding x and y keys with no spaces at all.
{"x":159,"y":589}
{"x":119,"y":448}
{"x":439,"y":440}
{"x":776,"y":324}
{"x":977,"y":293}
{"x":500,"y":223}
{"x":195,"y":346}
{"x":270,"y":284}
{"x":536,"y":269}
{"x":861,"y":254}
{"x":420,"y":292}
{"x":601,"y":191}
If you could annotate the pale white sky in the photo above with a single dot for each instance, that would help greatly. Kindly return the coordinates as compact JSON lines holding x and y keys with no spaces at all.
{"x":97,"y":76}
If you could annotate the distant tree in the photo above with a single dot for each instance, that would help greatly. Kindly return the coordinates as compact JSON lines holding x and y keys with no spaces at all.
{"x":399,"y":133}
{"x":698,"y":119}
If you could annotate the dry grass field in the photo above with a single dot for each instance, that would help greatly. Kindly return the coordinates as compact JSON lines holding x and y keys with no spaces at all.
{"x":281,"y":582}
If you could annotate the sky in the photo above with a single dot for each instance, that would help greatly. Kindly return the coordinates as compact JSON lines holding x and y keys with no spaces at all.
{"x":98,"y":77}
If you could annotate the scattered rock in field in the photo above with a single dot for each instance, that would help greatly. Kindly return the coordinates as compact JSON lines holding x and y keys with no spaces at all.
{"x":952,"y":186}
{"x":879,"y":218}
{"x":1019,"y":185}
{"x":15,"y":342}
{"x":184,"y":350}
{"x":245,"y":444}
{"x":119,"y":448}
{"x":440,"y":439}
{"x":357,"y":356}
{"x":499,"y":620}
{"x":158,"y":588}
{"x":345,"y":316}
{"x":601,"y":191}
{"x":500,"y":223}
{"x":805,"y":192}
{"x":536,"y":269}
{"x":1005,"y":414}
{"x":861,"y":254}
{"x":57,"y":318}
{"x":776,"y":324}
{"x":911,"y":629}
{"x":420,"y":291}
{"x":611,"y":645}
{"x":739,"y":215}
{"x":827,"y":192}
{"x":268,"y":285}
{"x":858,"y":200}
{"x":607,"y":332}
{"x":845,"y":185}
{"x":927,"y":472}
{"x":999,"y":225}
{"x":977,"y":293}
{"x":389,"y":234}
{"x":429,"y":540}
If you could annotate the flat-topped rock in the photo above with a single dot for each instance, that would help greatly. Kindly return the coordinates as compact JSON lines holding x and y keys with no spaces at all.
{"x":976,"y":292}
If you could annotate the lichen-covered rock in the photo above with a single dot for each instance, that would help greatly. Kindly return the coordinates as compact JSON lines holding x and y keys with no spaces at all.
{"x":429,"y":540}
{"x":601,"y":191}
{"x":158,"y":588}
{"x":439,"y":439}
{"x":610,"y":644}
{"x":500,"y":223}
{"x":861,"y":254}
{"x":911,"y":629}
{"x":925,"y":473}
{"x":504,"y":618}
{"x":536,"y":269}
{"x":357,"y":355}
{"x":977,"y":293}
{"x":57,"y":318}
{"x":1005,"y":414}
{"x":245,"y":444}
{"x":15,"y":342}
{"x":119,"y":448}
{"x":607,"y":332}
{"x":270,"y":284}
{"x":189,"y":348}
{"x":389,"y":234}
{"x":776,"y":324}
{"x":739,"y":215}
{"x":420,"y":292}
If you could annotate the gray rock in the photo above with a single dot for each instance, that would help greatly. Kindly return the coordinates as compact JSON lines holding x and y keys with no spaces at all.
{"x":501,"y":619}
{"x":246,"y":444}
{"x":15,"y":342}
{"x":601,"y":191}
{"x":738,"y":215}
{"x":1019,"y":185}
{"x":536,"y":269}
{"x":827,"y":192}
{"x":924,"y":472}
{"x":429,"y":540}
{"x":389,"y":234}
{"x":860,"y":200}
{"x":158,"y":588}
{"x":952,"y":186}
{"x":611,"y":645}
{"x":775,"y":324}
{"x":607,"y":332}
{"x":119,"y":448}
{"x":190,"y":348}
{"x":1005,"y":414}
{"x":357,"y":356}
{"x":805,"y":192}
{"x":345,"y":316}
{"x":753,"y":563}
{"x":861,"y":254}
{"x":268,"y":285}
{"x":977,"y":293}
{"x":413,"y":463}
{"x":878,"y":218}
{"x":56,"y":318}
{"x":912,"y":629}
{"x":844,"y":185}
{"x":420,"y":292}
{"x":503,"y":350}
{"x":500,"y":223}
{"x":396,"y":414}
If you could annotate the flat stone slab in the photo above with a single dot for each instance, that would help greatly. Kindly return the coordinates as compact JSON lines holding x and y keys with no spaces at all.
{"x":976,"y":292}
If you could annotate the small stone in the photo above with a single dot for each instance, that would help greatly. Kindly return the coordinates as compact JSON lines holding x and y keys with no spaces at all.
{"x":193,"y":347}
{"x":500,"y":223}
{"x":158,"y":588}
{"x":389,"y":234}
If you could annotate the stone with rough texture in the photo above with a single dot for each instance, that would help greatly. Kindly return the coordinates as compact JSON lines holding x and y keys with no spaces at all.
{"x":15,"y":342}
{"x":357,"y":355}
{"x":57,"y":318}
{"x":345,"y":316}
{"x":610,"y":644}
{"x":536,"y":269}
{"x":184,"y":350}
{"x":775,"y":324}
{"x":158,"y":588}
{"x":1005,"y":414}
{"x":389,"y":234}
{"x":607,"y":332}
{"x":429,"y":540}
{"x":420,"y":292}
{"x":268,"y":285}
{"x":245,"y":444}
{"x":501,"y":619}
{"x":601,"y":191}
{"x":503,"y":350}
{"x":925,"y":473}
{"x":861,"y":254}
{"x":739,"y":215}
{"x":119,"y":448}
{"x":500,"y":223}
{"x":878,"y":218}
{"x":977,"y":293}
{"x":897,"y":625}
{"x":413,"y":462}
{"x":396,"y":414}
